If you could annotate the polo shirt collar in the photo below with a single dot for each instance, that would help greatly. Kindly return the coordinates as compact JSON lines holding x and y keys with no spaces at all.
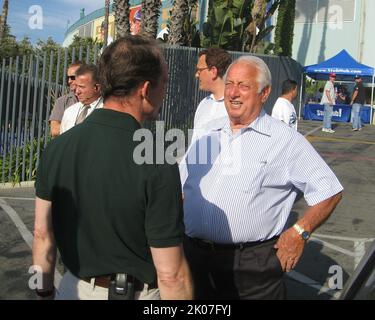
{"x":114,"y":119}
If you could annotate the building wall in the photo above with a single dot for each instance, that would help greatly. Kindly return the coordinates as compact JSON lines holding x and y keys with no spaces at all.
{"x":325,"y":27}
{"x":368,"y":53}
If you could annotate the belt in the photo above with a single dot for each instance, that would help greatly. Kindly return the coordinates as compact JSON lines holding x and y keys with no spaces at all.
{"x":210,"y":245}
{"x":104,"y":282}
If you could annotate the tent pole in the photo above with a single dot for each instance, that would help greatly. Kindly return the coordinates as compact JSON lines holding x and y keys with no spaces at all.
{"x":372,"y":99}
{"x":300,"y":97}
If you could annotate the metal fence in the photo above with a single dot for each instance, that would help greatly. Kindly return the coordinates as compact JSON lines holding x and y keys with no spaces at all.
{"x":29,"y":85}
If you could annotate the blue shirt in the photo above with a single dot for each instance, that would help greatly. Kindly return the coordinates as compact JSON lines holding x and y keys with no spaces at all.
{"x":240,"y":187}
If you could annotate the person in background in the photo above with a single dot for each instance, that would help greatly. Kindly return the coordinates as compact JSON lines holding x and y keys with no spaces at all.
{"x":211,"y":67}
{"x":318,"y":95}
{"x":357,"y":102}
{"x":88,"y":92}
{"x":65,"y":101}
{"x":283,"y":108}
{"x":342,"y":96}
{"x":328,"y":100}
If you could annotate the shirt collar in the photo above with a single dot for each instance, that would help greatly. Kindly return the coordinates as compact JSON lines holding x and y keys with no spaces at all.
{"x":260,"y":125}
{"x":95,"y":103}
{"x":211,"y":96}
{"x":114,"y":119}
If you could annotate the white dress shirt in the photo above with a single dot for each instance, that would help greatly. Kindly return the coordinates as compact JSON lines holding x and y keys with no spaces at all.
{"x":71,"y":114}
{"x":241,"y":187}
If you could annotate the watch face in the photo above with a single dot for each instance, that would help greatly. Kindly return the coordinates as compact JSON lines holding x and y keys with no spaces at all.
{"x":305,"y":235}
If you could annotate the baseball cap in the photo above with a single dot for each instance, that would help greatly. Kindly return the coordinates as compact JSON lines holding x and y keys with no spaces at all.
{"x":333,"y":75}
{"x":357,"y":77}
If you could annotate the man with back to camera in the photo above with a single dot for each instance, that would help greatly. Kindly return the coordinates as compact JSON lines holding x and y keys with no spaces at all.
{"x":116,"y":223}
{"x":283,"y":108}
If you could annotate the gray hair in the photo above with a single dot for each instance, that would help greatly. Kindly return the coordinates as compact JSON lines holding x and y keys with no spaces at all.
{"x":264,"y":74}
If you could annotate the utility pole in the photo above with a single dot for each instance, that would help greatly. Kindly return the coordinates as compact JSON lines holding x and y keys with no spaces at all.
{"x":106,"y":23}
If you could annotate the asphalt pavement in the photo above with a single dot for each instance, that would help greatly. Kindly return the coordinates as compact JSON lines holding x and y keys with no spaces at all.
{"x":329,"y":257}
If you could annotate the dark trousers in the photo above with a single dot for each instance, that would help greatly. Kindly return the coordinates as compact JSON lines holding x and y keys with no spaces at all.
{"x":252,"y":272}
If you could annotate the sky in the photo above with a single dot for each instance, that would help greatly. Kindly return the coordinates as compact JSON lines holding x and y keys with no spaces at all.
{"x":40,"y":19}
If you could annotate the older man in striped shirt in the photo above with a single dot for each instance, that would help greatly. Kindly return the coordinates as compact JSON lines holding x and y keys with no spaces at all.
{"x":240,"y":181}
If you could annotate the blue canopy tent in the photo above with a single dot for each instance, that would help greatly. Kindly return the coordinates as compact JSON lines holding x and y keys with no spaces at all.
{"x":345,"y":67}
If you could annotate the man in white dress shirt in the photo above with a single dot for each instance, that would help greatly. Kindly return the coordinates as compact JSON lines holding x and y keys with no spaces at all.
{"x":88,"y":92}
{"x":283,"y":108}
{"x":239,"y":187}
{"x":211,"y":67}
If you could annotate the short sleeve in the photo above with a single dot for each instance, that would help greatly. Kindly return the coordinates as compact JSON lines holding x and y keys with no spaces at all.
{"x":309,"y":173}
{"x":42,"y":190}
{"x":164,"y":213}
{"x":58,"y":110}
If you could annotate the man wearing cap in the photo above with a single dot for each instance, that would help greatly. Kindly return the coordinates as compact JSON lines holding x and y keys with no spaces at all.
{"x":328,"y":100}
{"x":358,"y":100}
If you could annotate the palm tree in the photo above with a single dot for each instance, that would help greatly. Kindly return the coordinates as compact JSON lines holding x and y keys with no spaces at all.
{"x":150,"y":16}
{"x":258,"y":12}
{"x":3,"y":19}
{"x":122,"y":11}
{"x":180,"y":11}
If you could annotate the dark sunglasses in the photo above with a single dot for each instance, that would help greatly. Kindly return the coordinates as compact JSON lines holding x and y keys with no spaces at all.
{"x":71,"y":77}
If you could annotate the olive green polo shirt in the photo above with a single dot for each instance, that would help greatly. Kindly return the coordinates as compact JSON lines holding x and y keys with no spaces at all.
{"x":106,"y":209}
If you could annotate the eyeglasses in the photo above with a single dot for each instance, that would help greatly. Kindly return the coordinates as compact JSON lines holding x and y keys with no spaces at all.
{"x":241,"y":86}
{"x":199,"y":70}
{"x":71,"y":77}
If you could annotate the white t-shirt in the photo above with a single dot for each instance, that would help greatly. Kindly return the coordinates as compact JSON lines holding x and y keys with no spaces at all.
{"x":71,"y":114}
{"x":208,"y":110}
{"x":331,"y":88}
{"x":284,"y":111}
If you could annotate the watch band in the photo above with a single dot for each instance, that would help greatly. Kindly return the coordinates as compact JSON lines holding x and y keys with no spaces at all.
{"x":298,"y":228}
{"x":305,"y":235}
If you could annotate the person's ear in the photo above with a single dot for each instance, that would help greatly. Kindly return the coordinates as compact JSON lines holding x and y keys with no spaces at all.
{"x":265,"y":94}
{"x":214,"y":72}
{"x":145,"y":87}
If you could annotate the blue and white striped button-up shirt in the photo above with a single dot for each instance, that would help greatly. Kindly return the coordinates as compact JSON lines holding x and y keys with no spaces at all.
{"x":241,"y":187}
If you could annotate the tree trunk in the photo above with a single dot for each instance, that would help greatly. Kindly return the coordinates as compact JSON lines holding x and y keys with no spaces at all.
{"x":180,"y":11}
{"x":150,"y":16}
{"x":122,"y":12}
{"x":257,"y":13}
{"x":3,"y":19}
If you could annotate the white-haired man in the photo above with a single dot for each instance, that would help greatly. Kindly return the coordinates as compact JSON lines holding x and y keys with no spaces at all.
{"x":239,"y":186}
